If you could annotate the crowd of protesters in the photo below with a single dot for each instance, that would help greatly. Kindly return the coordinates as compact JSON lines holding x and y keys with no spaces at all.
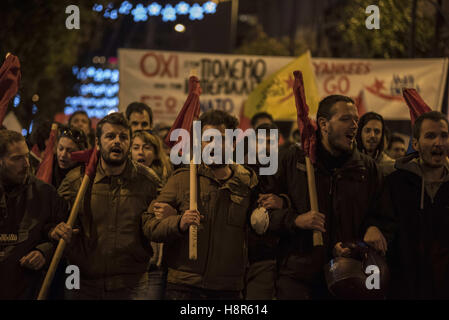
{"x":131,"y":237}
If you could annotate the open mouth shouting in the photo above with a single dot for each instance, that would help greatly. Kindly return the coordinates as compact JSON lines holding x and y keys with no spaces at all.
{"x":116,"y":151}
{"x":350,"y":137}
{"x":438,"y":154}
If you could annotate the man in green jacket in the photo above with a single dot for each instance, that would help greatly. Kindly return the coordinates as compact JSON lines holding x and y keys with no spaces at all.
{"x":223,"y":202}
{"x":111,"y":251}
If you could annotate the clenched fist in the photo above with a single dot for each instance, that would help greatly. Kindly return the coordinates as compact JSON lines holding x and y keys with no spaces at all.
{"x":270,"y":201}
{"x":163,"y":210}
{"x":64,"y":231}
{"x":190,"y":217}
{"x":375,"y":238}
{"x":312,"y":220}
{"x":33,"y":260}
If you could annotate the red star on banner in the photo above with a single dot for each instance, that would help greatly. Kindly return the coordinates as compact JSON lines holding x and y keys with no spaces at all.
{"x":379,"y":85}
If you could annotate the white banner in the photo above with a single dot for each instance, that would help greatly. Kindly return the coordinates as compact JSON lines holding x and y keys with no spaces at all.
{"x":159,"y":78}
{"x":380,"y":82}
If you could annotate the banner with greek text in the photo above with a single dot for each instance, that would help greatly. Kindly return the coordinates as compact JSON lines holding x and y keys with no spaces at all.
{"x":160,"y":79}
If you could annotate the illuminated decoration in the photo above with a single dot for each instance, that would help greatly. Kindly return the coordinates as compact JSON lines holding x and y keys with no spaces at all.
{"x":107,"y":12}
{"x":98,"y":91}
{"x":16,"y":101}
{"x":97,"y":7}
{"x":140,"y":13}
{"x":168,"y":13}
{"x":114,"y":14}
{"x":196,"y":12}
{"x":154,"y":9}
{"x":182,"y":8}
{"x":180,"y":28}
{"x":210,"y":7}
{"x":125,"y":8}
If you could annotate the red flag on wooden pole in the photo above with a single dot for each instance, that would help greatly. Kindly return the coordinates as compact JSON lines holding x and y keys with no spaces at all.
{"x":9,"y":82}
{"x":189,"y":112}
{"x":307,"y":128}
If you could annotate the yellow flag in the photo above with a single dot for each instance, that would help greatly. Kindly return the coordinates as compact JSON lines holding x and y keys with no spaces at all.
{"x":275,"y":93}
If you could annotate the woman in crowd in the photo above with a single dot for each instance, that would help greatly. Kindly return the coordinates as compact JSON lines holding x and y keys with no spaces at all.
{"x":70,"y":139}
{"x":147,"y":149}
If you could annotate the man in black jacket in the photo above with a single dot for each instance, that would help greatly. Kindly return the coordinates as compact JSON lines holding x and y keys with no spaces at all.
{"x":29,"y":208}
{"x":349,"y":188}
{"x":419,"y":192}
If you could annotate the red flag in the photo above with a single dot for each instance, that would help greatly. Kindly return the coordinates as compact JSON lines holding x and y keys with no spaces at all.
{"x":45,"y":170}
{"x":189,"y":112}
{"x":415,"y":103}
{"x":360,"y":103}
{"x":307,"y":127}
{"x":90,"y":158}
{"x":36,"y":151}
{"x":244,"y":122}
{"x":9,"y":83}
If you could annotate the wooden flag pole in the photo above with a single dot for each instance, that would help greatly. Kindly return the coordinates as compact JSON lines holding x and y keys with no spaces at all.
{"x":193,"y":230}
{"x":317,"y":235}
{"x":62,"y":244}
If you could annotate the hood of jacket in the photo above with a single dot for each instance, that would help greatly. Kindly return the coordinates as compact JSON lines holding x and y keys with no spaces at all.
{"x":412,"y":163}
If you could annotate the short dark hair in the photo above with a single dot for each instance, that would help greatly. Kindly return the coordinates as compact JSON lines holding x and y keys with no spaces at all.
{"x":431,"y":115}
{"x":367,"y":117}
{"x":260,"y":115}
{"x":325,"y":108}
{"x":325,"y":105}
{"x":267,"y":126}
{"x":8,"y":137}
{"x":139,"y":107}
{"x":218,"y":118}
{"x":395,"y":138}
{"x":79,"y":112}
{"x":115,"y":118}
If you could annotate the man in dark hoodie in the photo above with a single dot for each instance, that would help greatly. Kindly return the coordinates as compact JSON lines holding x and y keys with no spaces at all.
{"x":349,"y":189}
{"x":419,"y":192}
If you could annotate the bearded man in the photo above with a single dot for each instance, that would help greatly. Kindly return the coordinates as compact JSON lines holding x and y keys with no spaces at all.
{"x":111,"y":250}
{"x":371,"y":140}
{"x":349,"y":189}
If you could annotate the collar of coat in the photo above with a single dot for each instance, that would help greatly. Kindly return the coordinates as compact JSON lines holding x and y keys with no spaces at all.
{"x":412,"y":163}
{"x":240,"y":182}
{"x":354,"y":161}
{"x":129,"y":173}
